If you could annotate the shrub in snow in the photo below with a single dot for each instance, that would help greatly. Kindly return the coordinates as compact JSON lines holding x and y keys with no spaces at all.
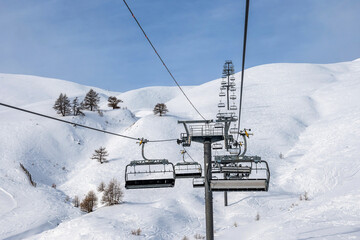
{"x":112,"y":193}
{"x":89,"y":202}
{"x":76,"y":201}
{"x":101,"y":187}
{"x":235,"y":224}
{"x":53,"y":185}
{"x":113,"y":102}
{"x":100,"y":155}
{"x":136,"y":232}
{"x":198,"y":236}
{"x":185,"y":238}
{"x":101,"y":113}
{"x":91,"y":100}
{"x":160,"y":109}
{"x":281,"y":156}
{"x":62,"y":105}
{"x":77,"y":107}
{"x":304,"y":197}
{"x":257,"y":218}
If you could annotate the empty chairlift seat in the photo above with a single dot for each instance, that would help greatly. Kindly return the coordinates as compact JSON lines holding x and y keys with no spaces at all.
{"x":199,"y":182}
{"x":188,"y":170}
{"x":149,"y":174}
{"x":257,"y":180}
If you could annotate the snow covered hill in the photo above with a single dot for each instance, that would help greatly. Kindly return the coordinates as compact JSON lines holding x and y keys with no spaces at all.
{"x":307,"y":112}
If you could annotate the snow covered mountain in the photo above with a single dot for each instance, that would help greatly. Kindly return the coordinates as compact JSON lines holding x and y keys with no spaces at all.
{"x":309,"y":113}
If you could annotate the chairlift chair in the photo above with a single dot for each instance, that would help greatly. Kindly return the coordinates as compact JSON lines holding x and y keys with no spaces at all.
{"x":198,"y":182}
{"x":217,"y":146}
{"x":234,"y":130}
{"x":233,"y":107}
{"x":232,"y":78}
{"x":223,"y":82}
{"x":149,"y":173}
{"x":222,"y":94}
{"x":156,"y":173}
{"x":232,"y":96}
{"x":253,"y":179}
{"x":232,"y":88}
{"x":221,"y":105}
{"x":188,"y":170}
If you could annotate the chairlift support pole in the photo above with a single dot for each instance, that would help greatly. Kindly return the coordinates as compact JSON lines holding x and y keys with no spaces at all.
{"x":209,"y":213}
{"x":207,"y":138}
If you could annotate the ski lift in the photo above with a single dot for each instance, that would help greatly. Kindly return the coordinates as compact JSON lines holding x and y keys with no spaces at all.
{"x":232,"y":96}
{"x":149,"y":173}
{"x":217,"y":146}
{"x":221,"y":105}
{"x":232,"y":88}
{"x":232,"y":78}
{"x":223,"y":82}
{"x":198,"y":182}
{"x":187,"y":169}
{"x":244,"y":178}
{"x":222,"y":94}
{"x":234,"y":130}
{"x":233,"y":107}
{"x":232,"y":84}
{"x":222,"y":88}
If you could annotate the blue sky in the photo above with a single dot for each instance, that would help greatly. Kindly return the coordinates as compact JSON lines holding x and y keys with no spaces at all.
{"x":97,"y":42}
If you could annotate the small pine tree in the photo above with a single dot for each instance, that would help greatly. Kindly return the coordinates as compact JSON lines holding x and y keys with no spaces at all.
{"x":77,"y":107}
{"x":91,"y":100}
{"x":100,"y":155}
{"x":113,"y":193}
{"x":113,"y":102}
{"x":89,"y":202}
{"x":160,"y":108}
{"x":62,"y":105}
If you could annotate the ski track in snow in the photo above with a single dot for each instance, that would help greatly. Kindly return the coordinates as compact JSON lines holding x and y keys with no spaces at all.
{"x":7,"y":201}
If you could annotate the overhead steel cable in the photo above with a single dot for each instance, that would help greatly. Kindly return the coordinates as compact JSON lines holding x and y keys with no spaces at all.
{"x":80,"y":125}
{"x":172,"y":76}
{"x":243,"y":61}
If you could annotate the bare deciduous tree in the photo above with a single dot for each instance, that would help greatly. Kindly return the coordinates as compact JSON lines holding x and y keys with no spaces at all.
{"x":77,"y":107}
{"x":101,"y":187}
{"x":62,"y":105}
{"x":160,"y":109}
{"x":91,"y":100}
{"x":112,"y":193}
{"x":89,"y":202}
{"x":100,"y":155}
{"x":76,"y":201}
{"x":113,"y":102}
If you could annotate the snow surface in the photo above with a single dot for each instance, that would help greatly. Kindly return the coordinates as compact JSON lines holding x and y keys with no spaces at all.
{"x":308,"y":112}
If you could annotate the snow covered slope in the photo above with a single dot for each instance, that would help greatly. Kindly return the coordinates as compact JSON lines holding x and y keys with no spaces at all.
{"x":307,"y":112}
